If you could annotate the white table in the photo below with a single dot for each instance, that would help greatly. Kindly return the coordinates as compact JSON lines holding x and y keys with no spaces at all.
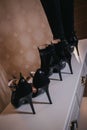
{"x":66,"y":96}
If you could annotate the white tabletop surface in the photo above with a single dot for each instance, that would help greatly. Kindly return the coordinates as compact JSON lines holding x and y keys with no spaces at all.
{"x":48,"y":116}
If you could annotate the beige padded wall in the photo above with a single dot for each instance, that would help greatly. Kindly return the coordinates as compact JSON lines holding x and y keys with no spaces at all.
{"x":23,"y":26}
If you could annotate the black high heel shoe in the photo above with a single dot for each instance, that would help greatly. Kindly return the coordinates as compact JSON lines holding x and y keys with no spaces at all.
{"x":22,"y":94}
{"x":50,"y":63}
{"x":41,"y":84}
{"x":73,"y":41}
{"x":63,"y":52}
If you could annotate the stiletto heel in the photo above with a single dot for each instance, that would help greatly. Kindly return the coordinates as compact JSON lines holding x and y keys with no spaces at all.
{"x":30,"y":101}
{"x":46,"y":89}
{"x":77,"y":49}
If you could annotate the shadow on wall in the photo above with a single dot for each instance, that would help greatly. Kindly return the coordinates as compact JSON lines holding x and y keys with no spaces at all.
{"x":23,"y":26}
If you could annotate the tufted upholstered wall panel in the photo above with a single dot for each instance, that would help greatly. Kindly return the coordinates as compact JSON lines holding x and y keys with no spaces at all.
{"x":23,"y":26}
